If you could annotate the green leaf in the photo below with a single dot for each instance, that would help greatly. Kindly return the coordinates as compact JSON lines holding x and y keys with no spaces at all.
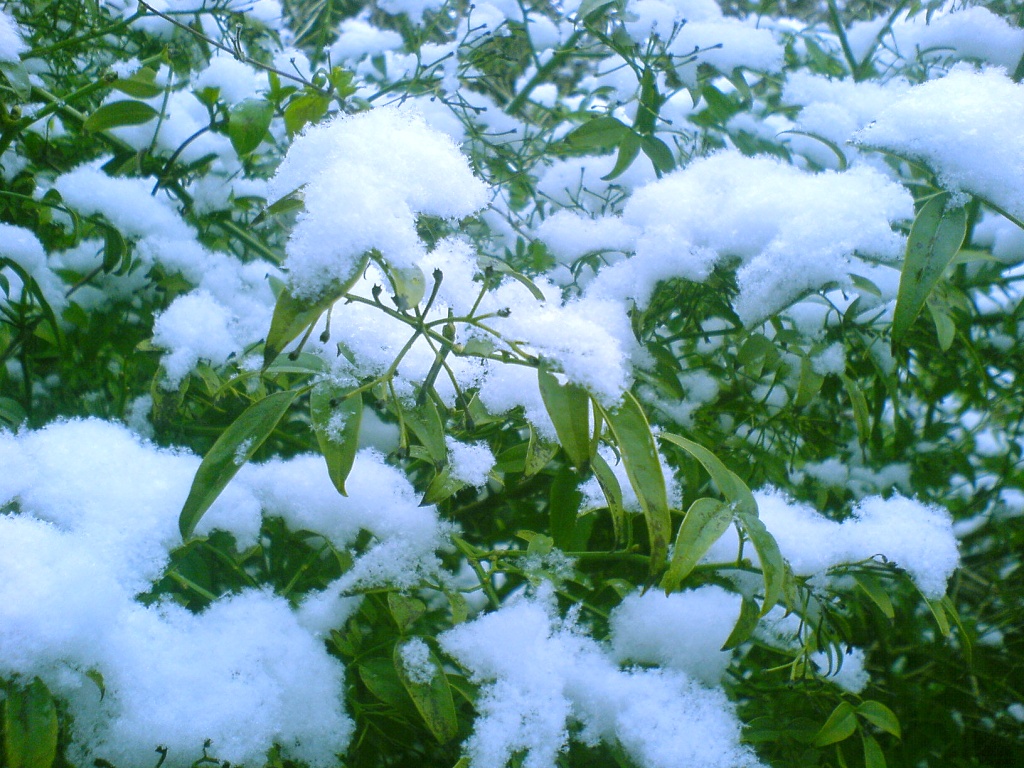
{"x":750,"y":613}
{"x":30,"y":726}
{"x":433,"y":699}
{"x":840,"y":725}
{"x":613,"y":495}
{"x":809,"y":384}
{"x":442,"y":487}
{"x":118,"y":113}
{"x":426,"y":423}
{"x":861,"y":414}
{"x":876,"y":713}
{"x":11,"y":412}
{"x":233,"y":448}
{"x":140,"y":85}
{"x":659,"y":154}
{"x":635,"y":441}
{"x":409,"y":285}
{"x":705,"y":522}
{"x":939,"y":612}
{"x":773,"y":567}
{"x":564,"y":508}
{"x":248,"y":123}
{"x":629,"y":148}
{"x":115,"y":251}
{"x":293,"y":201}
{"x":336,"y":418}
{"x":383,"y":681}
{"x":935,"y":238}
{"x":965,"y":636}
{"x":501,"y":267}
{"x":945,"y":328}
{"x":568,"y":406}
{"x":304,"y":109}
{"x":17,"y":77}
{"x":836,"y":150}
{"x":292,"y":316}
{"x":728,"y":482}
{"x":876,"y":592}
{"x":873,"y":755}
{"x":405,"y":610}
{"x":539,"y":453}
{"x":590,"y":8}
{"x":599,"y":133}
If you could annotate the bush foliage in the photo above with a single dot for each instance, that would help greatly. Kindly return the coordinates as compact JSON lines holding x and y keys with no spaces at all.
{"x":446,"y":384}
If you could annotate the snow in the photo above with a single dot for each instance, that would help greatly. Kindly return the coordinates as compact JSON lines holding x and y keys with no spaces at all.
{"x":918,"y":538}
{"x":365,"y":180}
{"x":469,"y":463}
{"x":11,"y":43}
{"x":94,"y":519}
{"x":542,"y":674}
{"x":961,"y":126}
{"x":682,"y":631}
{"x":791,"y":231}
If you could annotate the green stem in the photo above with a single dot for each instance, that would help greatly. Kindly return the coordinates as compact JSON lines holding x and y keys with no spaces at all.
{"x":516,"y":105}
{"x":837,"y":26}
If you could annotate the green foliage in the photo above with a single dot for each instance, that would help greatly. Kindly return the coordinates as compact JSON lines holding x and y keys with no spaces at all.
{"x":944,"y":673}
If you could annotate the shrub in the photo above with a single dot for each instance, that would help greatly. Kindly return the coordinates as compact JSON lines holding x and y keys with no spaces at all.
{"x":594,"y":383}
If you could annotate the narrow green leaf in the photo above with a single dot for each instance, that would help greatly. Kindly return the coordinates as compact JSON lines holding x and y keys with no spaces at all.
{"x":613,"y":495}
{"x":809,"y":384}
{"x":140,"y":85}
{"x":635,"y":441}
{"x":773,"y":567}
{"x":564,"y":508}
{"x":750,"y":613}
{"x":876,"y":592}
{"x":965,"y":636}
{"x":30,"y":726}
{"x":248,"y":123}
{"x":598,"y":133}
{"x":501,"y":267}
{"x":433,"y":699}
{"x":873,"y":755}
{"x":293,"y":201}
{"x":658,"y":153}
{"x":706,"y":520}
{"x":336,"y":420}
{"x":876,"y":713}
{"x":935,"y":238}
{"x":11,"y":412}
{"x":945,"y":328}
{"x":233,"y":448}
{"x":17,"y":77}
{"x":292,"y":316}
{"x":424,"y":420}
{"x":539,"y":453}
{"x":861,"y":414}
{"x":939,"y":612}
{"x":115,"y":250}
{"x":629,"y":148}
{"x":840,"y":726}
{"x":442,"y":487}
{"x":836,"y":150}
{"x":728,"y":482}
{"x":118,"y":113}
{"x":568,"y":406}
